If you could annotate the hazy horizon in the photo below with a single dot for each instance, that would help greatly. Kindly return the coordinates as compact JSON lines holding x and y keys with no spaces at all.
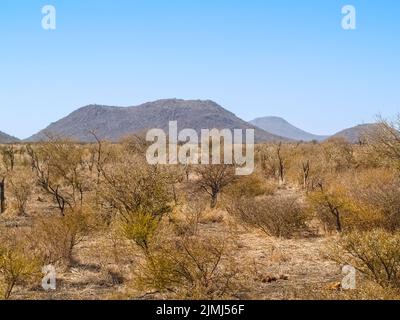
{"x":264,"y":58}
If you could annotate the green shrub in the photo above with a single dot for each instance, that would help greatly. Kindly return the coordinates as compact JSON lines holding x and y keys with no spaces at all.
{"x":18,"y":264}
{"x":140,"y":228}
{"x":190,"y":268}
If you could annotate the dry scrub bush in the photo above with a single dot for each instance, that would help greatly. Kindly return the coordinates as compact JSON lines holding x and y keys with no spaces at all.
{"x":137,"y":196}
{"x":136,"y":144}
{"x":62,"y":171}
{"x":8,"y":157}
{"x":359,"y":200}
{"x":336,"y":205}
{"x":177,"y":260}
{"x":18,"y":262}
{"x":307,"y":166}
{"x":192,"y":267}
{"x":376,"y":194}
{"x":213,"y":179}
{"x":338,"y":155}
{"x":131,"y":186}
{"x":384,"y":140}
{"x":251,"y":186}
{"x":367,"y":157}
{"x":274,"y":215}
{"x":21,"y":186}
{"x":140,"y":228}
{"x":274,"y":160}
{"x":330,"y":205}
{"x":375,"y":254}
{"x":57,"y":236}
{"x":187,"y":218}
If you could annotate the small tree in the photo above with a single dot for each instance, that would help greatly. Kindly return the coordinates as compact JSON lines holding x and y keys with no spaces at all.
{"x":212,"y":179}
{"x":61,"y":171}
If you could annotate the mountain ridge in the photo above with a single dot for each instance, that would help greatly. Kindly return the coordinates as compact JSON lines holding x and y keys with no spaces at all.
{"x":6,"y":138}
{"x":113,"y":123}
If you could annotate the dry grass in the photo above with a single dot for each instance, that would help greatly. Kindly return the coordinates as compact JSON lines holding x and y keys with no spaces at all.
{"x":105,"y":264}
{"x":271,"y":268}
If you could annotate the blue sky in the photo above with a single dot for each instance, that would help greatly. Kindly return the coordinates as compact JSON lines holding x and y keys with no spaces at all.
{"x":256,"y":58}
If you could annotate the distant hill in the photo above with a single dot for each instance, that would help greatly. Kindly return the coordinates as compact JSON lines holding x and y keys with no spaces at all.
{"x":113,"y":123}
{"x":281,"y":127}
{"x":355,"y":134}
{"x":5,"y":138}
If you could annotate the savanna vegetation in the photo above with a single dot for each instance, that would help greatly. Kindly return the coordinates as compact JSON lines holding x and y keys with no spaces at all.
{"x":115,"y":227}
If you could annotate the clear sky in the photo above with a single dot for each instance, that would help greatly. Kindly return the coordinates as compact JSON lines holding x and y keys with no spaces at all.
{"x":287,"y":58}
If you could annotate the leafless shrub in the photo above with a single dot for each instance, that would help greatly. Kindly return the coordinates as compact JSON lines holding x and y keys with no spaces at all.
{"x":251,"y":186}
{"x":131,"y":186}
{"x":57,"y":236}
{"x":376,"y":193}
{"x":21,"y":186}
{"x":187,"y":219}
{"x":275,"y":216}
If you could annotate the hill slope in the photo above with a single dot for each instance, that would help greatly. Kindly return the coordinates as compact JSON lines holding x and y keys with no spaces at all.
{"x":5,"y":138}
{"x":356,"y":133}
{"x":113,"y":123}
{"x":281,"y":127}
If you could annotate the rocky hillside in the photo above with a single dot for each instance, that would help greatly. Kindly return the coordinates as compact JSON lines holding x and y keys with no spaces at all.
{"x":113,"y":123}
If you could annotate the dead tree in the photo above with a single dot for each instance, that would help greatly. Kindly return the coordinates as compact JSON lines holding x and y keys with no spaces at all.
{"x":281,"y":163}
{"x":306,"y":173}
{"x":2,"y":195}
